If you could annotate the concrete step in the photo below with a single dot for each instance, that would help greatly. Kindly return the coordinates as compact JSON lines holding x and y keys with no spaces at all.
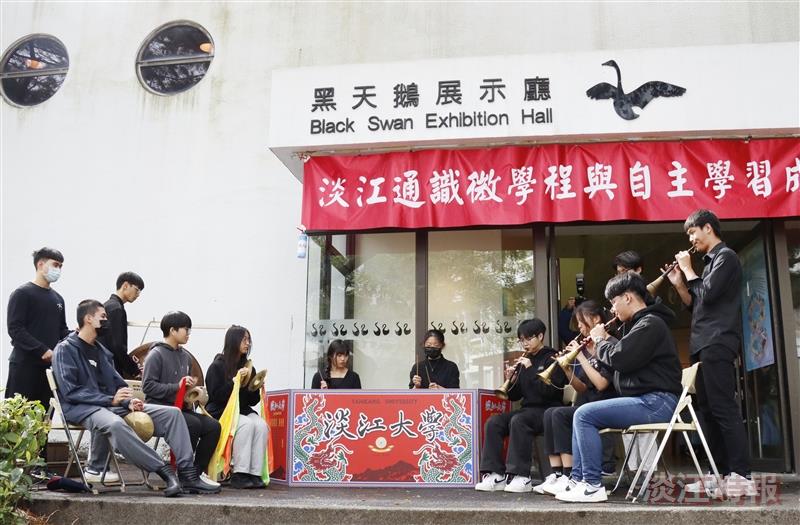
{"x":280,"y":504}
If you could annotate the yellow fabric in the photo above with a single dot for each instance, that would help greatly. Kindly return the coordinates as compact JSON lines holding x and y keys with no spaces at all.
{"x":221,"y":460}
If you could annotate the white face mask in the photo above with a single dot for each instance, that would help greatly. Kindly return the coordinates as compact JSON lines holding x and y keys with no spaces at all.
{"x":52,"y":274}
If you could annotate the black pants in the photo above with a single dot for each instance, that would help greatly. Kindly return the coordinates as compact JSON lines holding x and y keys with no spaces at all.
{"x":521,"y":426}
{"x":31,"y":382}
{"x":720,"y":414}
{"x":204,"y":434}
{"x":558,"y":430}
{"x":558,"y":435}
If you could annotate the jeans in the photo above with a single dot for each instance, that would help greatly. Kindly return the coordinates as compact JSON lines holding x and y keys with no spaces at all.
{"x":621,"y":412}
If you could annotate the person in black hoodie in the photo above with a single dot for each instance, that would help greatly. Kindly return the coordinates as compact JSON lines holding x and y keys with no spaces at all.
{"x":434,"y":371}
{"x":250,"y":441}
{"x":523,"y":424}
{"x":647,"y":376}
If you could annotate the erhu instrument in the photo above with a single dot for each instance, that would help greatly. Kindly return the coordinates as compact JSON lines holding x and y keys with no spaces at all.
{"x":653,"y":286}
{"x":566,"y":360}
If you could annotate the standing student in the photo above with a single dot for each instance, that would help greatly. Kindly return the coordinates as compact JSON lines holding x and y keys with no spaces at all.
{"x":36,"y":323}
{"x":164,"y":367}
{"x":715,"y":301}
{"x":129,"y":287}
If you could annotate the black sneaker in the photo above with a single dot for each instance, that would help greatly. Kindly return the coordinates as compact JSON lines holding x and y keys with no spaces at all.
{"x":240,"y":480}
{"x":257,"y":482}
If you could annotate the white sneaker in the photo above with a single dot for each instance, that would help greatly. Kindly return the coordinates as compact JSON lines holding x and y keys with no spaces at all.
{"x":491,"y":482}
{"x":583,"y":493}
{"x":519,"y":484}
{"x":208,"y":480}
{"x":93,"y":476}
{"x":708,"y":480}
{"x":549,"y":480}
{"x":559,"y":486}
{"x":737,"y":486}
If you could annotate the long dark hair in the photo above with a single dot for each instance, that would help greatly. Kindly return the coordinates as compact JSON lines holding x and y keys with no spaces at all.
{"x":231,"y":353}
{"x":588,"y":309}
{"x":337,"y":346}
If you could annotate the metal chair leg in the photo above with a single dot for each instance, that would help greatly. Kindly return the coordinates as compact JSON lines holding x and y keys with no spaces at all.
{"x":624,"y":471}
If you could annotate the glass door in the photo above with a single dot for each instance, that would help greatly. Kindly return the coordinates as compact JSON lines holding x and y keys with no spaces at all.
{"x":480,"y":287}
{"x":761,"y":363}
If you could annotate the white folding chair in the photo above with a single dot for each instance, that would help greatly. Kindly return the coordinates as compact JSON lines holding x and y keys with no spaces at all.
{"x":677,"y":424}
{"x":67,"y":428}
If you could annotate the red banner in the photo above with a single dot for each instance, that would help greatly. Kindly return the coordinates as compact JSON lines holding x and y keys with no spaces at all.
{"x":636,"y":181}
{"x":415,"y":437}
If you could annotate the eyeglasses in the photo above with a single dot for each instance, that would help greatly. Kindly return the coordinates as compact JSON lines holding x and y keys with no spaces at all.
{"x":136,"y":288}
{"x":524,"y":339}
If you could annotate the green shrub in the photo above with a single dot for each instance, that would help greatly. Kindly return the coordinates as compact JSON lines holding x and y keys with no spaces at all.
{"x":23,"y":433}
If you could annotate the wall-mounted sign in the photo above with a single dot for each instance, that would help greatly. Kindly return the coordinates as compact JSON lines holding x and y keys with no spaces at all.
{"x":710,"y":91}
{"x":642,"y":181}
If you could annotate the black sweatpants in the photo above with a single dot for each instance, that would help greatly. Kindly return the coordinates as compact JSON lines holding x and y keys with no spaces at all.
{"x":31,"y":382}
{"x":720,"y":414}
{"x":521,"y":426}
{"x":204,"y":434}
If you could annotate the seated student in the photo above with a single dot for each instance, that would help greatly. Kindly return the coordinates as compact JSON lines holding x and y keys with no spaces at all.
{"x":630,"y":260}
{"x":164,"y":367}
{"x":523,"y":424}
{"x":434,"y":371}
{"x":337,"y":374}
{"x":250,"y":440}
{"x":94,"y":395}
{"x":592,"y":381}
{"x":647,"y":375}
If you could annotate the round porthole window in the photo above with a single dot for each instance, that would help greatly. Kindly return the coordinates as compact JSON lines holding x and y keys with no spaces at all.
{"x":33,"y":69}
{"x":175,"y":57}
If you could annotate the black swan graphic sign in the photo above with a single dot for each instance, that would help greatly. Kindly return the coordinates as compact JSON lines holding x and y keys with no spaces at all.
{"x":640,"y":97}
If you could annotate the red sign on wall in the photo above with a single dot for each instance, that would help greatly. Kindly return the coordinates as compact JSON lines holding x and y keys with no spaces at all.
{"x":636,"y":181}
{"x":391,"y":438}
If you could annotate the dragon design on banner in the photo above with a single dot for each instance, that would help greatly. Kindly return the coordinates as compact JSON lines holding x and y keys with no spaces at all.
{"x":317,"y":458}
{"x":446,"y":455}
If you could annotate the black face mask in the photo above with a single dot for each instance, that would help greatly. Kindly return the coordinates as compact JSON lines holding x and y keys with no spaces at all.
{"x":432,"y":352}
{"x":104,"y":328}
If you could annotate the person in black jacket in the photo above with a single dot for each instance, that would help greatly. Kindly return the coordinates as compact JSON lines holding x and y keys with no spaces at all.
{"x":592,"y":382}
{"x":250,"y":440}
{"x":129,"y":287}
{"x":337,"y":374}
{"x":523,"y":424}
{"x":714,"y":299}
{"x":647,"y":376}
{"x":434,"y":371}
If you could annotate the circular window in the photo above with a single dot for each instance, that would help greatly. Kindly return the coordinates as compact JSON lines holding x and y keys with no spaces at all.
{"x":174,"y":58}
{"x":33,"y":69}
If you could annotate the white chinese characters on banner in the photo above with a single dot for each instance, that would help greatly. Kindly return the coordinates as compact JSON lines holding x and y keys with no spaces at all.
{"x":758,"y":173}
{"x":444,"y":185}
